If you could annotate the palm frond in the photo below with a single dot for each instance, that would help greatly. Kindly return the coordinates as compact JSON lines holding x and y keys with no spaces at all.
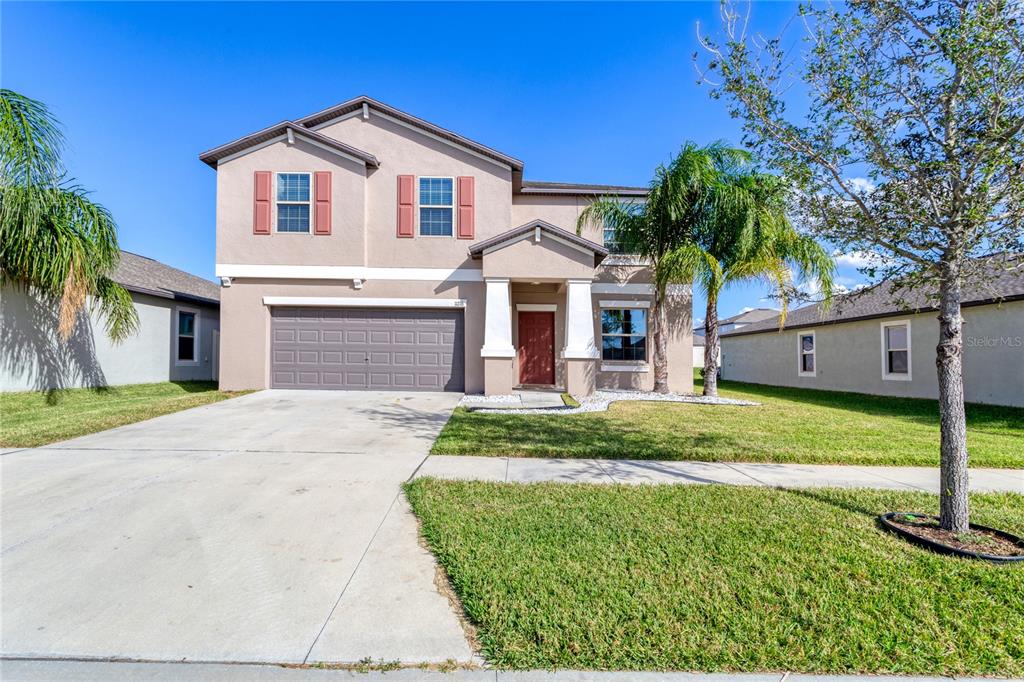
{"x":30,"y":139}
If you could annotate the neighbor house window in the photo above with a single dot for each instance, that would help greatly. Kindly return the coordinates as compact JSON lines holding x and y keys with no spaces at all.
{"x":806,"y":359}
{"x":896,"y":350}
{"x":624,"y":334}
{"x":437,"y":206}
{"x":293,"y":199}
{"x":185,"y":347}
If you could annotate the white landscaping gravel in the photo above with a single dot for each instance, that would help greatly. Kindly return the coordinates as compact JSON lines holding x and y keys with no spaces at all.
{"x":598,"y":402}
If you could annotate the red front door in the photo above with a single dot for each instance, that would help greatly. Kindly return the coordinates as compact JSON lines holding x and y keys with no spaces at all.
{"x":536,"y":348}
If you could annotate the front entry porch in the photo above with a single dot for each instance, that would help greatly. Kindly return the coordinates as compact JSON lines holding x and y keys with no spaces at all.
{"x":539,"y":335}
{"x":539,"y":317}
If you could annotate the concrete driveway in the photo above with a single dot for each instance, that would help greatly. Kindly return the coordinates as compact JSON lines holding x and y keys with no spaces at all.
{"x":267,"y":528}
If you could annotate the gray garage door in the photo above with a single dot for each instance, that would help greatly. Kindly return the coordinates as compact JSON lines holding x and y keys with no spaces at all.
{"x":366,"y":349}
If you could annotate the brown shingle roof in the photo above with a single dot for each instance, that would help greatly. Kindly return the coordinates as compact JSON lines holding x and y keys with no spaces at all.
{"x":358,"y":102}
{"x":476,"y":250}
{"x":1001,"y":279}
{"x":214,"y":155}
{"x":147,"y":276}
{"x":536,"y":187}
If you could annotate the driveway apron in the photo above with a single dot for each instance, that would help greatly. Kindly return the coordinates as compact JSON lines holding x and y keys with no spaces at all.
{"x":258,"y":529}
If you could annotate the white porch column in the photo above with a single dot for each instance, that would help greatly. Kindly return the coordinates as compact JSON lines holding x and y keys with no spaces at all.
{"x":498,"y":320}
{"x":579,"y":322}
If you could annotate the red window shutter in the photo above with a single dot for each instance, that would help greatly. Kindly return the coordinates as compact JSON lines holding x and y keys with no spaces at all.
{"x":466,"y":207}
{"x":322,"y":201}
{"x":406,"y":205}
{"x":261,"y":203}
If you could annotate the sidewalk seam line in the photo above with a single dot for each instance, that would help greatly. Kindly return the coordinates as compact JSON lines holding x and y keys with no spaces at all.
{"x":352,"y":575}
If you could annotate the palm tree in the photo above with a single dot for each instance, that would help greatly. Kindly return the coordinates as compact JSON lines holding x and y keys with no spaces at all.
{"x":52,"y":237}
{"x":663,"y":224}
{"x":743,"y":234}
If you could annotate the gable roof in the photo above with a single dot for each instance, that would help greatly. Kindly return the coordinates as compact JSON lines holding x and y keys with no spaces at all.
{"x":477,"y":250}
{"x":356,"y":104}
{"x":570,"y":188}
{"x":213,"y":156}
{"x":748,"y":317}
{"x":147,"y":276}
{"x":1002,"y":280}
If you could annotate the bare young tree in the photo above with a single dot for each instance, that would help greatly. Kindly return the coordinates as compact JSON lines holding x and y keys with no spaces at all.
{"x":902,"y":124}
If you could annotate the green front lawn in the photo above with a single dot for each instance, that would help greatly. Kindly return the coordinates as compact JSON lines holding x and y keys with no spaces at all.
{"x":33,"y":418}
{"x":720,"y":579}
{"x":791,"y":425}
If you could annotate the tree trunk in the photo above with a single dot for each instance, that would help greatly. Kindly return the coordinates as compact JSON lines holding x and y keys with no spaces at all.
{"x":660,"y":342}
{"x":953,"y":509}
{"x":711,"y":346}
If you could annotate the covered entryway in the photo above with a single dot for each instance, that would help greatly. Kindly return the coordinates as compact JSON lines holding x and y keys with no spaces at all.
{"x":367,"y":349}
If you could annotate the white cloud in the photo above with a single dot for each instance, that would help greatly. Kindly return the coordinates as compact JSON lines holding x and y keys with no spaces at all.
{"x":744,"y":309}
{"x":861,"y":185}
{"x":699,"y":322}
{"x":860,"y":259}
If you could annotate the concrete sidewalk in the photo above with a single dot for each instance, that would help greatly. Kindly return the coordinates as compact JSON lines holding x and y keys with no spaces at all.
{"x":530,"y":470}
{"x":81,"y":671}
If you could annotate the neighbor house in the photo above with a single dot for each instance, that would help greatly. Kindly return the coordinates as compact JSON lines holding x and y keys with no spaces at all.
{"x":727,"y":325}
{"x":361,"y":247}
{"x":179,"y":320}
{"x":882,"y":341}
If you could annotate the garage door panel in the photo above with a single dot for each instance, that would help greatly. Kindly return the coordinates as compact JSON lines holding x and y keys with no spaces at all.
{"x":356,"y":348}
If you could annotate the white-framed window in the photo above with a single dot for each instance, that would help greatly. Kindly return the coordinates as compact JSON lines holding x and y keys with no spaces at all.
{"x":807,"y":358}
{"x":611,"y":240}
{"x":896,"y":350}
{"x":437,"y":206}
{"x":293,"y":197}
{"x":186,"y":336}
{"x":624,"y":334}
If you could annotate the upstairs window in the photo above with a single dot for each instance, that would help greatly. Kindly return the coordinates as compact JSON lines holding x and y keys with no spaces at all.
{"x":293,"y":202}
{"x":807,"y":355}
{"x":186,"y":352}
{"x":896,"y":351}
{"x":624,"y":334}
{"x":611,"y":239}
{"x":437,"y":207}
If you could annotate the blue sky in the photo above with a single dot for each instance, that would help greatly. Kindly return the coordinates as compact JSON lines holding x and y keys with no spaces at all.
{"x":581,"y":92}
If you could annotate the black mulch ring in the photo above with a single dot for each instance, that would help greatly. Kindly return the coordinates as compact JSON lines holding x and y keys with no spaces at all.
{"x":981,"y":542}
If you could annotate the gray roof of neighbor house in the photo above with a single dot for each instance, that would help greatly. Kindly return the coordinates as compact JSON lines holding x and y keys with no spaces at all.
{"x":1000,"y":277}
{"x":147,"y":276}
{"x":747,"y":317}
{"x":477,"y":250}
{"x":570,"y":188}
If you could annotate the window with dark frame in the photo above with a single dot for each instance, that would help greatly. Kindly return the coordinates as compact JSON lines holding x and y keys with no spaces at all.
{"x":624,"y":334}
{"x":807,"y":353}
{"x":186,"y":336}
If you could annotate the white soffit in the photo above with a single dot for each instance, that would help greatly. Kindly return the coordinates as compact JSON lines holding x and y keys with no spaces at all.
{"x":625,"y":304}
{"x":349,"y":272}
{"x":357,"y":302}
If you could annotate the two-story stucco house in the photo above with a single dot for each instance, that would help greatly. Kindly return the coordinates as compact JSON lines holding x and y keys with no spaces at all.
{"x":361,"y":247}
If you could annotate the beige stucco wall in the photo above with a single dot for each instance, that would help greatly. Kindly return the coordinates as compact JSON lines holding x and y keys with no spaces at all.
{"x":402,"y":151}
{"x":549,"y":259}
{"x":849,"y":356}
{"x":236,"y":243}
